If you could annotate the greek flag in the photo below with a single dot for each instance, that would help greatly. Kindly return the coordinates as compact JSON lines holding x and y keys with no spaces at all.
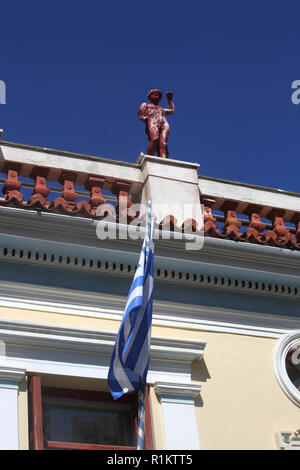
{"x":130,"y":358}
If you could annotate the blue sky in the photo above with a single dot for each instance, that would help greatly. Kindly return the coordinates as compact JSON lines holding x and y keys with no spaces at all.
{"x":77,"y":72}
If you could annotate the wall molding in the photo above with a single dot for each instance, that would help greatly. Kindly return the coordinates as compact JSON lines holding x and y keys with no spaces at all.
{"x":86,"y":352}
{"x":182,"y":317}
{"x":11,"y":375}
{"x":121,"y":269}
{"x":171,"y":391}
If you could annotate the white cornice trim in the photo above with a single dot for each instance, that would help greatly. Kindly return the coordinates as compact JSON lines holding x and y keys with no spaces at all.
{"x":143,"y":158}
{"x":63,"y":350}
{"x":59,"y":160}
{"x":163,"y":389}
{"x":34,"y":220}
{"x":65,"y":337}
{"x":174,"y":321}
{"x":249,"y":194}
{"x":39,"y":225}
{"x":164,"y":275}
{"x":34,"y":224}
{"x":180,"y":350}
{"x":11,"y":374}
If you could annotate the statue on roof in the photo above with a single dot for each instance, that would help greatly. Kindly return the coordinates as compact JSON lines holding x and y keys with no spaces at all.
{"x":157,"y":127}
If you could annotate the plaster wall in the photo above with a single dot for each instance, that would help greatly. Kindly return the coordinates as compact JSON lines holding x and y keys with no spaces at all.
{"x":241,"y":405}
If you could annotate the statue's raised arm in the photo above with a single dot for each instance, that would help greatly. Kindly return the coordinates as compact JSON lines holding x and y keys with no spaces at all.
{"x":171,"y":108}
{"x":157,"y":127}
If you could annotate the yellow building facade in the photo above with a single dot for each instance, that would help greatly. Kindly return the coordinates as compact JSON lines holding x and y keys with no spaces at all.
{"x":224,"y":362}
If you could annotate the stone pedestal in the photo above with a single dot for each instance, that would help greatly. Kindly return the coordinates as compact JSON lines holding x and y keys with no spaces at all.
{"x":172,"y":187}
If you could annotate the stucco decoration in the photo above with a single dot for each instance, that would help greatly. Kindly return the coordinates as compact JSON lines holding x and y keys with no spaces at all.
{"x":287,"y":365}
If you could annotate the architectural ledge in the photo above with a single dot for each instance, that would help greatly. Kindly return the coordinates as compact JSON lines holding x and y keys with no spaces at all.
{"x":143,"y":157}
{"x":11,"y":374}
{"x":29,"y":157}
{"x":45,"y":347}
{"x":167,"y":390}
{"x":223,"y":190}
{"x":179,"y":350}
{"x":105,"y":265}
{"x":261,"y":216}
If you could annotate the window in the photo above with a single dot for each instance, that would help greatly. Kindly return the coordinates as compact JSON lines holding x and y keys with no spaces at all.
{"x":80,"y":419}
{"x":292,"y":363}
{"x":287,"y":365}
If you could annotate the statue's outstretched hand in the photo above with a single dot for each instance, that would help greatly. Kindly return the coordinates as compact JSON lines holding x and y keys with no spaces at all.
{"x":169,"y":95}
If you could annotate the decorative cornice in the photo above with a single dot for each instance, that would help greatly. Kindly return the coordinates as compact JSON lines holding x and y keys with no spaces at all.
{"x":30,"y":157}
{"x":167,"y":390}
{"x":65,"y":153}
{"x":215,"y":180}
{"x":182,"y":316}
{"x":143,"y":158}
{"x":218,"y":189}
{"x":85,"y":352}
{"x":179,"y":350}
{"x":92,"y":340}
{"x":164,"y":275}
{"x":154,"y":177}
{"x":33,"y":224}
{"x":11,"y":374}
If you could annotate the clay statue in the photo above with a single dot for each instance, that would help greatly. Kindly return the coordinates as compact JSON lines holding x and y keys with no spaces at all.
{"x":157,"y":127}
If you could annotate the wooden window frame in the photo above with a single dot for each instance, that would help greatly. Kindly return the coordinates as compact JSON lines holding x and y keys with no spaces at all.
{"x":36,"y":436}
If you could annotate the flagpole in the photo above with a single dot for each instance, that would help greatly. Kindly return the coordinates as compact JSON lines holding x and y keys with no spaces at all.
{"x":142,"y":393}
{"x":141,"y":407}
{"x":141,"y":418}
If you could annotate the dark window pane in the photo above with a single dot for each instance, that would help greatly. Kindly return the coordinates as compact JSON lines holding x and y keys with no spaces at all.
{"x":293,"y":368}
{"x":88,"y":422}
